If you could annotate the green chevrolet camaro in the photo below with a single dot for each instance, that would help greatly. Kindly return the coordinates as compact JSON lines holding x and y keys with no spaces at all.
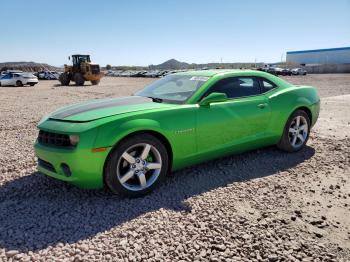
{"x":130,"y":144}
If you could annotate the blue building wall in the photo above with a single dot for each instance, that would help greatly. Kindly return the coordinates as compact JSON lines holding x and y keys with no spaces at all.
{"x":320,"y":56}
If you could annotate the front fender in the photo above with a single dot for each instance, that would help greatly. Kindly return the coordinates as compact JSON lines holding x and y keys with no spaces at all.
{"x":110,"y":134}
{"x":177,"y":128}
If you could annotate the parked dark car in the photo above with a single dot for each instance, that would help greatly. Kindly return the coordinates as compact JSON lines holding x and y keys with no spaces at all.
{"x":48,"y":75}
{"x":155,"y":73}
{"x":283,"y":71}
{"x":268,"y":69}
{"x":138,"y":74}
{"x":271,"y":70}
{"x":298,"y":71}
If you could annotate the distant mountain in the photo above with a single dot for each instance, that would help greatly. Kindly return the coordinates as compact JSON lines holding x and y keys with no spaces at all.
{"x":27,"y":66}
{"x":171,"y":64}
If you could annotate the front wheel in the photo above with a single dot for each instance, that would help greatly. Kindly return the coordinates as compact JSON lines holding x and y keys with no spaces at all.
{"x":95,"y":82}
{"x":296,"y":132}
{"x":79,"y":79}
{"x":64,"y":78}
{"x":137,"y":166}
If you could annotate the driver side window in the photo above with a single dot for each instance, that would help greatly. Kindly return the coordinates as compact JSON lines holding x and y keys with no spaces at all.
{"x":235,"y":87}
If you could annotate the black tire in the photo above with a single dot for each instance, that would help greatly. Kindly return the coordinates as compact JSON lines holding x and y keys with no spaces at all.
{"x":79,"y":79}
{"x":64,"y":78}
{"x":114,"y":163}
{"x":19,"y":83}
{"x":32,"y":84}
{"x":95,"y":82}
{"x":285,"y":143}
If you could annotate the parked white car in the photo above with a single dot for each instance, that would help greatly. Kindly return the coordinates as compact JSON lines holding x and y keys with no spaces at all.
{"x":18,"y":79}
{"x":298,"y":71}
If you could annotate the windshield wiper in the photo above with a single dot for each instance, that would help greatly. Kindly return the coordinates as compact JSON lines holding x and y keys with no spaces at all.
{"x":156,"y":99}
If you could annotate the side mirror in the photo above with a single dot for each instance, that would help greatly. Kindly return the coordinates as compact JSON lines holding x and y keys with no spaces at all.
{"x":68,"y":57}
{"x":213,"y":98}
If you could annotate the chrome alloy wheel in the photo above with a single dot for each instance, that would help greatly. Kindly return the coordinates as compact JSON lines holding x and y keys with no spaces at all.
{"x":298,"y":131}
{"x":139,"y":167}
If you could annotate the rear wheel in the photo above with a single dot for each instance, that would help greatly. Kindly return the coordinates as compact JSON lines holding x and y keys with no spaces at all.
{"x":137,"y":166}
{"x":19,"y":83}
{"x":95,"y":82}
{"x":296,"y":132}
{"x":64,"y":78}
{"x":79,"y":79}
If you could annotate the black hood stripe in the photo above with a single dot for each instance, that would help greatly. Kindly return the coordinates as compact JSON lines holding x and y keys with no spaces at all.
{"x":132,"y":100}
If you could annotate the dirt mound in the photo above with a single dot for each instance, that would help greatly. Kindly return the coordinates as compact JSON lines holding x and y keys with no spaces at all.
{"x":27,"y":66}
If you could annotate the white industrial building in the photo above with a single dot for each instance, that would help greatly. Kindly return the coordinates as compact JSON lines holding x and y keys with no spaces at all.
{"x":339,"y":55}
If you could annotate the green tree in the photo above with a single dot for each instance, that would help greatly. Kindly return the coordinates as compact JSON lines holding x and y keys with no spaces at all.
{"x":108,"y":67}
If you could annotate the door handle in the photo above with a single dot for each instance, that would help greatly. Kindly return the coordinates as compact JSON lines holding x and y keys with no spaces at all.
{"x":262,"y":106}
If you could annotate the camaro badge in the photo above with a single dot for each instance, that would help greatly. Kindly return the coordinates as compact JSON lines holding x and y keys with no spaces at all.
{"x":178,"y":132}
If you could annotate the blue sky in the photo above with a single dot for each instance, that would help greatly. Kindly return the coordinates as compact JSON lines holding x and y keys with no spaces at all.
{"x":150,"y":32}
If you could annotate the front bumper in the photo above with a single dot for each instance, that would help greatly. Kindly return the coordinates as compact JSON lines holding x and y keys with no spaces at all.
{"x":86,"y":167}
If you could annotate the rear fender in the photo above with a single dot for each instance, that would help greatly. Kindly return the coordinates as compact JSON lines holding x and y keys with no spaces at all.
{"x":283,"y":105}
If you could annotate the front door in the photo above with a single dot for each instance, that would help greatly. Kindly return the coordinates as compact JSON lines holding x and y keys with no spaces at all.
{"x":238,"y":123}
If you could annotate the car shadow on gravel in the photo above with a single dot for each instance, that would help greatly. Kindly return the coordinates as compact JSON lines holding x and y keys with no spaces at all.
{"x":37,"y":211}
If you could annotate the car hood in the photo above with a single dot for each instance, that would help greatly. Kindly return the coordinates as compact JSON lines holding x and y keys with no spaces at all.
{"x":100,"y":108}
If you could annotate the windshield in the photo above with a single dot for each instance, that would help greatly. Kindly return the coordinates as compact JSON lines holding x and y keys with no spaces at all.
{"x":173,"y":88}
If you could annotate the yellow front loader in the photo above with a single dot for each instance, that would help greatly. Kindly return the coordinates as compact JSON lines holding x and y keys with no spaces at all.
{"x":82,"y":70}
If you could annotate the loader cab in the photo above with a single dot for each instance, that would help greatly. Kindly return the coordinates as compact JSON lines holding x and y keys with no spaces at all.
{"x":78,"y":59}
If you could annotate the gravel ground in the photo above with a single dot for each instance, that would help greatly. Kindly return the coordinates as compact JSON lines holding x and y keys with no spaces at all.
{"x":263,"y":205}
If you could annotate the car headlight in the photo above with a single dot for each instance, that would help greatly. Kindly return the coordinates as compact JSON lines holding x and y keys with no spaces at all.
{"x":74,"y":139}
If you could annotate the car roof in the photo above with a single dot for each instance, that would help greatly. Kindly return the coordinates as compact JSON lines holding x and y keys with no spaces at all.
{"x":215,"y":72}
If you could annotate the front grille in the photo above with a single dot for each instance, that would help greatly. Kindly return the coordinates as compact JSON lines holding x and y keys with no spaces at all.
{"x":46,"y":165}
{"x":95,"y":69}
{"x":54,"y":139}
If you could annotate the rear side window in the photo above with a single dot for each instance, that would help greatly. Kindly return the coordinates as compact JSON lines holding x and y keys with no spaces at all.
{"x":267,"y":85}
{"x":235,"y":87}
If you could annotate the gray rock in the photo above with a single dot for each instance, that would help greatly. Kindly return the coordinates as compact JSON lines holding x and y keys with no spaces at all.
{"x":11,"y":253}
